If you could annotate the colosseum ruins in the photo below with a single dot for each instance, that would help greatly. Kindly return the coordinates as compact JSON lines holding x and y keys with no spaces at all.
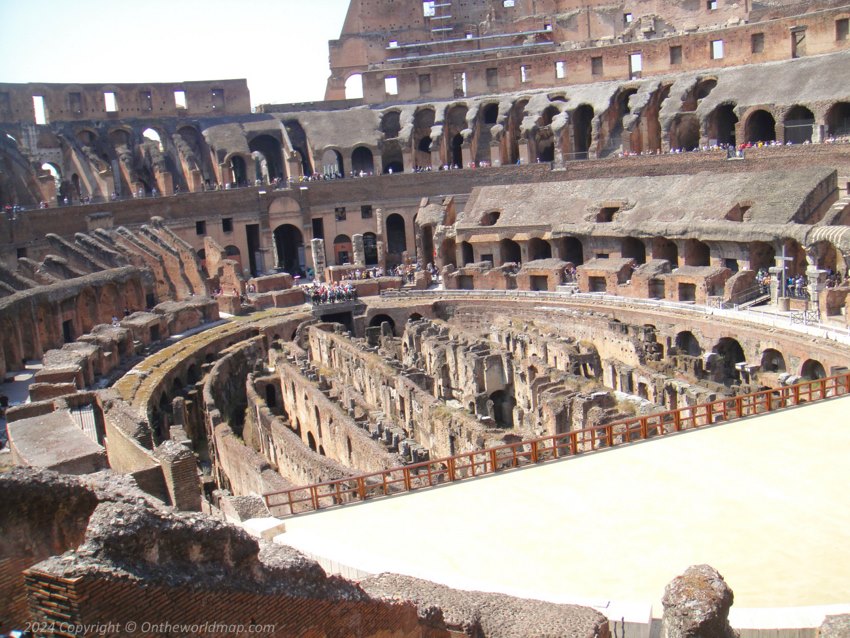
{"x":512,"y":232}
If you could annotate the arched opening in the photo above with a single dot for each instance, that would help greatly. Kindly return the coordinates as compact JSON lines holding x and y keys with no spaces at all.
{"x":730,"y":353}
{"x":272,"y":153}
{"x":332,"y":164}
{"x":354,"y":87}
{"x":697,"y":253}
{"x":151,"y":135}
{"x":582,"y":131}
{"x":391,"y":158}
{"x":687,"y":343}
{"x":571,"y":250}
{"x":232,"y":252}
{"x":455,"y":125}
{"x":684,"y":132}
{"x":826,"y":257}
{"x":467,"y":256}
{"x":289,"y":243}
{"x":515,"y":117}
{"x":539,"y":249}
{"x":390,"y":124}
{"x":760,"y":127}
{"x":812,"y":369}
{"x":370,"y":248}
{"x":271,"y":396}
{"x":762,"y":255}
{"x":342,"y":250}
{"x":511,"y":252}
{"x":318,"y":419}
{"x":298,"y":139}
{"x":799,"y":124}
{"x":772,"y":361}
{"x":722,"y":123}
{"x":700,"y":90}
{"x":457,"y":150}
{"x":490,"y":113}
{"x":396,"y":236}
{"x":414,"y":316}
{"x":86,"y":137}
{"x":633,"y":248}
{"x":239,"y":170}
{"x":57,"y":177}
{"x":423,"y":121}
{"x":362,"y":161}
{"x":545,"y":146}
{"x":448,"y":253}
{"x":377,"y":320}
{"x":503,"y":408}
{"x":838,"y":120}
{"x":548,"y":115}
{"x":429,"y":255}
{"x":311,"y":441}
{"x":663,"y":248}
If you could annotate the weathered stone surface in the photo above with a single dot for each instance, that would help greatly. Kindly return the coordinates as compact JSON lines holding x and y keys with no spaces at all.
{"x":835,"y":627}
{"x":696,"y":605}
{"x":490,"y":615}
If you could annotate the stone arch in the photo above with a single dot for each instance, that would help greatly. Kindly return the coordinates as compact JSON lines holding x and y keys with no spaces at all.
{"x":289,"y":244}
{"x":270,"y":148}
{"x":86,"y":137}
{"x":391,"y":124}
{"x":539,"y":249}
{"x":13,"y":354}
{"x":392,"y":159}
{"x":453,"y":134}
{"x":760,"y":127}
{"x":370,"y":249}
{"x":799,"y":124}
{"x":697,"y":253}
{"x":663,"y":248}
{"x":120,"y":136}
{"x":721,"y":123}
{"x":838,"y":120}
{"x":332,"y":163}
{"x":687,"y":343}
{"x":311,"y":441}
{"x":354,"y":87}
{"x":684,"y":132}
{"x":343,"y":251}
{"x":150,"y":134}
{"x":511,"y":252}
{"x":510,"y":148}
{"x":362,"y":160}
{"x":423,"y":121}
{"x":490,"y":113}
{"x":87,"y":316}
{"x":582,"y":130}
{"x":233,"y":253}
{"x":239,"y":169}
{"x":298,"y":140}
{"x":396,"y":235}
{"x":762,"y":255}
{"x":108,"y":303}
{"x":824,"y":256}
{"x":700,"y":90}
{"x":318,"y":419}
{"x":633,"y":248}
{"x":812,"y":369}
{"x":414,"y":316}
{"x":730,"y":352}
{"x":570,"y":249}
{"x":797,"y":266}
{"x":467,"y":255}
{"x":772,"y":361}
{"x":448,"y":252}
{"x":503,"y":408}
{"x":377,"y":320}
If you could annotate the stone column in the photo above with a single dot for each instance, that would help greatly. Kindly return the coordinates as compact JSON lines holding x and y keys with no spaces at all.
{"x":318,"y":248}
{"x":379,"y":237}
{"x":775,"y":284}
{"x":816,"y":282}
{"x":359,"y":252}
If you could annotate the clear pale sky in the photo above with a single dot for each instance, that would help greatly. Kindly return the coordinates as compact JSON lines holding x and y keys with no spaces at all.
{"x":280,"y":46}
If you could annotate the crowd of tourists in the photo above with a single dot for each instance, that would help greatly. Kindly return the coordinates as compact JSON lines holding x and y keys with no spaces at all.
{"x":321,"y":294}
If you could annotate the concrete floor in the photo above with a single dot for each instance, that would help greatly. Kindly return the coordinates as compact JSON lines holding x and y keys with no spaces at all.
{"x":764,"y":500}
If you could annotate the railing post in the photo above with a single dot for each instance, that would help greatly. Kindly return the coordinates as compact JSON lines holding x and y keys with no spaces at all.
{"x":361,"y":488}
{"x":644,"y":430}
{"x":493,"y":460}
{"x":406,"y":473}
{"x":739,"y":406}
{"x":573,"y":443}
{"x":534,"y":458}
{"x":768,"y":398}
{"x":314,"y":497}
{"x":609,"y":435}
{"x":795,"y":389}
{"x":677,"y":420}
{"x":823,"y":388}
{"x":291,"y":504}
{"x":451,"y":467}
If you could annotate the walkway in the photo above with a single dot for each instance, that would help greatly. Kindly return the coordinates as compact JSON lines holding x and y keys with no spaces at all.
{"x":764,"y":500}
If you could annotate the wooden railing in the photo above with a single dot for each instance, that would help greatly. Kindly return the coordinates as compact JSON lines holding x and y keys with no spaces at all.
{"x":450,"y":469}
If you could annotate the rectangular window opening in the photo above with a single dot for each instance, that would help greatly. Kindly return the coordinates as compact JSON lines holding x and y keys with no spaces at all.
{"x":596,"y":65}
{"x":459,"y":82}
{"x":366,"y":211}
{"x":635,"y":65}
{"x":525,"y":73}
{"x":717,"y":49}
{"x":40,"y":109}
{"x":757,"y":42}
{"x":627,"y":18}
{"x":201,"y":228}
{"x":227,"y":224}
{"x":507,"y":3}
{"x":145,"y":100}
{"x":425,"y":83}
{"x":180,"y":99}
{"x":560,"y":70}
{"x":492,"y":76}
{"x":393,"y":44}
{"x":711,"y":5}
{"x":675,"y":55}
{"x":318,"y":228}
{"x":429,"y":8}
{"x":842,"y":29}
{"x":339,"y":213}
{"x":217,"y":99}
{"x":109,"y":102}
{"x":75,"y":103}
{"x":391,"y":85}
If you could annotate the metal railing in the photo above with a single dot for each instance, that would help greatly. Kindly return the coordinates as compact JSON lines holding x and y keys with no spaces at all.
{"x":455,"y":468}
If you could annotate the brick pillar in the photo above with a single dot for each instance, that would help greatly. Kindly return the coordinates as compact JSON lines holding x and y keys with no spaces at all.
{"x":180,"y":471}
